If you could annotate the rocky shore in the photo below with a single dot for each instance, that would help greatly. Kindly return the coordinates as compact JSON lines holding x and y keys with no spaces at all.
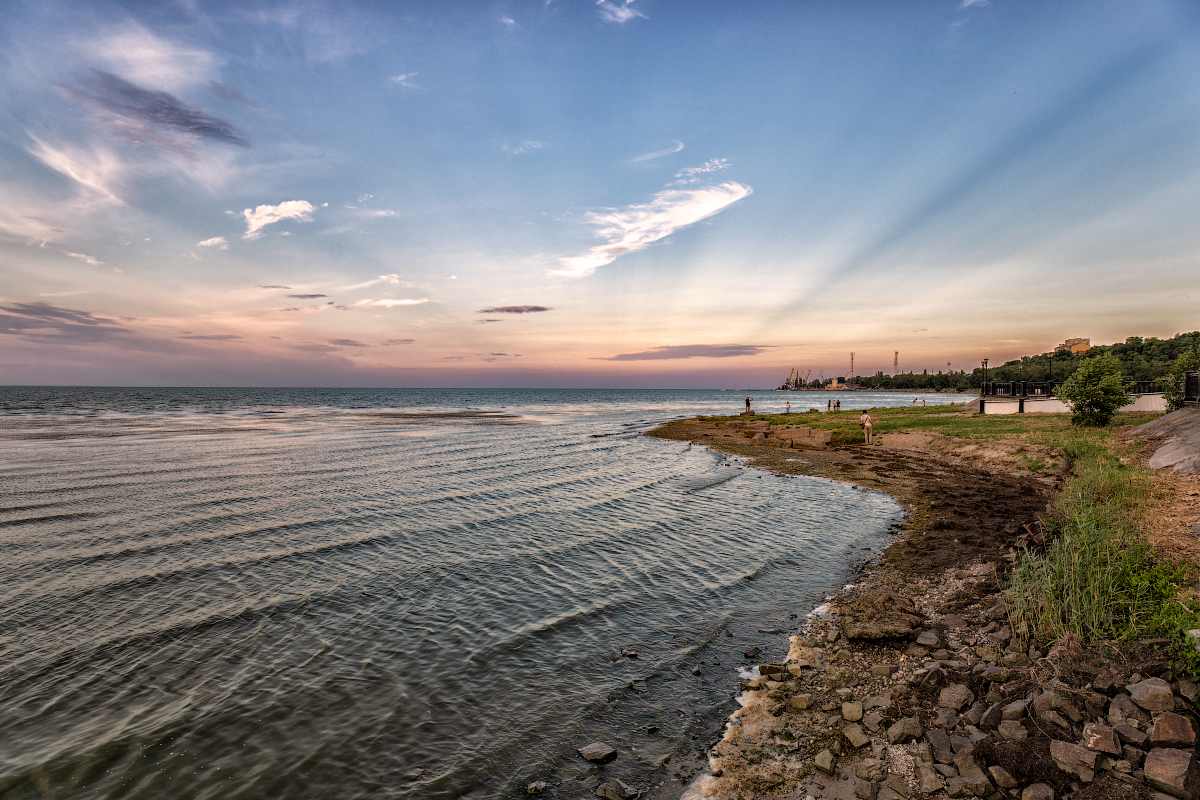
{"x":914,"y":682}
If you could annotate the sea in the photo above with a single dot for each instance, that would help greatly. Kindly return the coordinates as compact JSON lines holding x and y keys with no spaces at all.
{"x":373,"y":593}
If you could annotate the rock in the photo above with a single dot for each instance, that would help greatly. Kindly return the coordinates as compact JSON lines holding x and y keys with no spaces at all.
{"x":801,"y":702}
{"x":1133,"y":754}
{"x":946,"y":718}
{"x":1044,"y":702}
{"x":616,"y":790}
{"x":598,"y":752}
{"x":1012,"y":729}
{"x":869,"y":769}
{"x":536,"y":787}
{"x":1152,"y":694}
{"x":939,"y":741}
{"x":1037,"y":791}
{"x":753,"y":652}
{"x":916,"y":651}
{"x":946,"y":770}
{"x":971,"y":782}
{"x":905,"y":730}
{"x":1130,"y":734}
{"x":1172,"y":771}
{"x":866,"y":790}
{"x":898,"y":786}
{"x":873,"y":721}
{"x":638,"y":685}
{"x":843,"y":655}
{"x":882,"y":670}
{"x":1188,"y":690}
{"x":877,"y":701}
{"x":956,"y":696}
{"x":1101,"y":738}
{"x":629,"y":653}
{"x":855,"y":736}
{"x":1172,"y":730}
{"x":1015,"y":709}
{"x":852,"y":712}
{"x":1122,"y":709}
{"x":881,"y":614}
{"x":974,"y":714}
{"x":929,"y":639}
{"x":590,"y":782}
{"x":414,"y":774}
{"x":1074,"y":759}
{"x":992,"y":717}
{"x":1001,"y":778}
{"x":1054,"y":718}
{"x":824,"y":761}
{"x":928,"y":779}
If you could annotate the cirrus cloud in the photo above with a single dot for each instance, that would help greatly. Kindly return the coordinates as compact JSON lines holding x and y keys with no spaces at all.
{"x":387,"y":303}
{"x":514,"y":310}
{"x":675,"y":351}
{"x":636,"y":227}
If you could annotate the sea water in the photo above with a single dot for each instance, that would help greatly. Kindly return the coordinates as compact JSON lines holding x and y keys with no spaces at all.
{"x":241,"y":593}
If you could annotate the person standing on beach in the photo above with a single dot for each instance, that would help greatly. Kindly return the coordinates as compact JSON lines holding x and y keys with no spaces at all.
{"x":866,"y":423}
{"x":789,"y":407}
{"x":829,"y":405}
{"x":747,"y":403}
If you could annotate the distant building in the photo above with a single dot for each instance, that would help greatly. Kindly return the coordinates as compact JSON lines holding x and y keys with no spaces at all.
{"x":1076,"y":346}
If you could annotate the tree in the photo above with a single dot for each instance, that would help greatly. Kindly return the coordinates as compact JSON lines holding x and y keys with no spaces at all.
{"x":1172,"y":382}
{"x":1095,"y":391}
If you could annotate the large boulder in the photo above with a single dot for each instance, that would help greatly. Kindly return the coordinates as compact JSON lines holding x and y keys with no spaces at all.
{"x":1173,"y":771}
{"x":1152,"y":694}
{"x":878,"y":615}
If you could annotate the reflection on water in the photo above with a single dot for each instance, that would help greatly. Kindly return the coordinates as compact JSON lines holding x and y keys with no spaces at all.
{"x":255,"y":593}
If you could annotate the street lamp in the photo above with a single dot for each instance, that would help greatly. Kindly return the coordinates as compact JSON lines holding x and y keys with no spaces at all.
{"x":985,"y":370}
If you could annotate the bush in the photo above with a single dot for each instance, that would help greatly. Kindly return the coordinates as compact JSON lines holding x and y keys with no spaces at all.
{"x":1095,"y":391}
{"x":1172,"y":382}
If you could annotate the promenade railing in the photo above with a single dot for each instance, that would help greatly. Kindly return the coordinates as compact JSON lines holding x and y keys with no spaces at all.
{"x":1046,"y":388}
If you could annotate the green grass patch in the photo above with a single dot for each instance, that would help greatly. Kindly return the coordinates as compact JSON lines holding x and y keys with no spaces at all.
{"x":1098,"y":578}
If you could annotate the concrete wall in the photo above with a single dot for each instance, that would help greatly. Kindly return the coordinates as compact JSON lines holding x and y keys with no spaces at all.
{"x":1052,"y":405}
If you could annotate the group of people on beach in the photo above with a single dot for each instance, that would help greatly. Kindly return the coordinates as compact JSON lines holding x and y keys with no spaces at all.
{"x":833,"y":405}
{"x":864,"y":421}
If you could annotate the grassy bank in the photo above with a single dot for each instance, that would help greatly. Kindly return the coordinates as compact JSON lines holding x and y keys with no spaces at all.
{"x":1096,"y":577}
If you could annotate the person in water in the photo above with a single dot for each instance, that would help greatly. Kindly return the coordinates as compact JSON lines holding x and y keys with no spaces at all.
{"x":789,"y":407}
{"x":867,"y":424}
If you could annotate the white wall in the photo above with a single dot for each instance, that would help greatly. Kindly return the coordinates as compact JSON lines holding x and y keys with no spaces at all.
{"x":1052,"y":405}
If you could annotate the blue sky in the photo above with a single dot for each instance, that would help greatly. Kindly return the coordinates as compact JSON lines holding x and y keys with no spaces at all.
{"x":573,"y":193}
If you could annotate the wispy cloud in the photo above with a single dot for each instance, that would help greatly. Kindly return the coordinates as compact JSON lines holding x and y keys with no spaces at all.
{"x":273,"y":286}
{"x":690,"y":351}
{"x":86,"y":259}
{"x":514,"y":310}
{"x":44,"y":323}
{"x":306,"y":296}
{"x":140,"y":55}
{"x":405,"y":79}
{"x":263,"y":216}
{"x":390,"y":303}
{"x":393,"y":280}
{"x":230,"y":94}
{"x":210,"y":337}
{"x":675,"y":148}
{"x":219,"y":242}
{"x":619,"y":12}
{"x":151,"y":116}
{"x":347,"y":343}
{"x":692,"y":175}
{"x":969,"y":3}
{"x":523,"y":147}
{"x":391,"y":342}
{"x":508,"y":21}
{"x":635,"y":227}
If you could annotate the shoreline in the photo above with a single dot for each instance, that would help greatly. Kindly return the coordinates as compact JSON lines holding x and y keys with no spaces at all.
{"x":917,"y":684}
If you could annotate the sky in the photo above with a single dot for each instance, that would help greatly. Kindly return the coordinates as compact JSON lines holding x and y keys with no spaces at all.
{"x":583,"y":193}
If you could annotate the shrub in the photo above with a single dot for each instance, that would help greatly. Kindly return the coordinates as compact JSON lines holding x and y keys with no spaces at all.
{"x":1095,"y":391}
{"x":1172,"y":382}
